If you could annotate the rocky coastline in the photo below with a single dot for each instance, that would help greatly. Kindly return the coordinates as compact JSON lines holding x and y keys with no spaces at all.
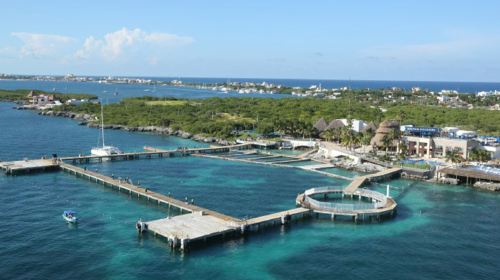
{"x":89,"y":121}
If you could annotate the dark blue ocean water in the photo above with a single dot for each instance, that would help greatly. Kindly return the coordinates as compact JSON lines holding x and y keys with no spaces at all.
{"x":440,"y":232}
{"x":106,"y":91}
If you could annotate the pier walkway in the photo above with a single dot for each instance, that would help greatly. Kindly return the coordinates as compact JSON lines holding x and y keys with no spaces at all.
{"x":141,"y":191}
{"x":281,"y":217}
{"x":360,"y":180}
{"x":150,"y":152}
{"x":29,"y":165}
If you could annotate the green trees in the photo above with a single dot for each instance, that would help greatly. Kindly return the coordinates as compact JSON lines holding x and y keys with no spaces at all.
{"x":479,"y":155}
{"x":485,"y":121}
{"x":454,"y":156}
{"x":291,"y":116}
{"x":328,"y":135}
{"x":386,"y":143}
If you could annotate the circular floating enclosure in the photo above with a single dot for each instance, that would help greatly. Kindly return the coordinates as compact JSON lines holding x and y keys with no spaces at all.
{"x":363,"y":202}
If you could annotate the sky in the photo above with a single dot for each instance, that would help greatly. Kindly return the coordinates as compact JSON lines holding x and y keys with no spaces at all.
{"x":360,"y":40}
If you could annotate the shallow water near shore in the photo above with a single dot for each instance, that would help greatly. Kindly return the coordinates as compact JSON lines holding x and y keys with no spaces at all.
{"x":440,"y":232}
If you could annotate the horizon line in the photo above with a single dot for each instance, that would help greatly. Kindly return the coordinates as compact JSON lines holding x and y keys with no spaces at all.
{"x":252,"y":78}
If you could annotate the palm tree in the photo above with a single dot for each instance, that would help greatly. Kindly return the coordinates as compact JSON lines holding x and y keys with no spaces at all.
{"x":337,"y":133}
{"x":454,"y":156}
{"x":403,"y":151}
{"x":395,"y":135}
{"x":386,"y":143}
{"x":347,"y":137}
{"x":479,"y":155}
{"x":328,"y":135}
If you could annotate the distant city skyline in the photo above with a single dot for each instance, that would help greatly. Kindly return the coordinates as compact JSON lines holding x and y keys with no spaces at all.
{"x":334,"y":40}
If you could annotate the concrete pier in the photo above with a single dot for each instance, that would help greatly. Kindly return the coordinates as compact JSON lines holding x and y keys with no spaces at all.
{"x":28,"y":166}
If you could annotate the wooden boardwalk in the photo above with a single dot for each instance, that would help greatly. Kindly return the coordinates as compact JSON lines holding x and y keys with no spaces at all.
{"x":151,"y":152}
{"x":277,"y":217}
{"x":360,"y":180}
{"x":28,"y":165}
{"x":141,"y":191}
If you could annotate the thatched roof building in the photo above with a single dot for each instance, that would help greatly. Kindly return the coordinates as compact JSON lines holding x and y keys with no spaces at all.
{"x":385,"y":128}
{"x":321,"y":125}
{"x":335,"y":124}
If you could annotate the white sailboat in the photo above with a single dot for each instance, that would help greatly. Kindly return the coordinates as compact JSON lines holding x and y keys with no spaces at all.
{"x":104,"y":150}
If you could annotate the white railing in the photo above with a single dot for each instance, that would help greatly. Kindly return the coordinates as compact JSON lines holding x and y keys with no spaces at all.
{"x":379,"y":200}
{"x":322,"y":190}
{"x":341,"y":207}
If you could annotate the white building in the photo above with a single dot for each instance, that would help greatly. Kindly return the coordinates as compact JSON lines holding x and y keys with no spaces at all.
{"x":494,"y":151}
{"x":357,"y":125}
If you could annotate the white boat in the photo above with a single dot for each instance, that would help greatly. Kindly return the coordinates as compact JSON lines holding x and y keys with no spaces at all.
{"x":70,"y":216}
{"x":104,"y":150}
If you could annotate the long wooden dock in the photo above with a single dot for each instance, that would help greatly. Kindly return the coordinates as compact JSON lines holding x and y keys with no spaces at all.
{"x":29,"y":165}
{"x":141,"y":191}
{"x":151,"y":152}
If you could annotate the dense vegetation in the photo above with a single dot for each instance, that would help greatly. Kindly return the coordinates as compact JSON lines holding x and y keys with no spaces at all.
{"x":225,"y":117}
{"x":20,"y":95}
{"x":483,"y":120}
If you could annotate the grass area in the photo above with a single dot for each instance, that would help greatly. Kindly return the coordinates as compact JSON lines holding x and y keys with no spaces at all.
{"x":236,"y":118}
{"x":166,"y":102}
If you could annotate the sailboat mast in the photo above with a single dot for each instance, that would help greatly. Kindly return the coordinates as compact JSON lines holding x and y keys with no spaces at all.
{"x":102,"y":124}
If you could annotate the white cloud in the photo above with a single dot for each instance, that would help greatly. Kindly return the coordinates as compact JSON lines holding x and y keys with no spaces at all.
{"x":115,"y":44}
{"x":89,"y":46}
{"x":38,"y":45}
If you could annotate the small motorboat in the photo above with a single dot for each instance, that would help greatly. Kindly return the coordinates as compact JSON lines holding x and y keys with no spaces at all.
{"x":70,"y":216}
{"x":141,"y":226}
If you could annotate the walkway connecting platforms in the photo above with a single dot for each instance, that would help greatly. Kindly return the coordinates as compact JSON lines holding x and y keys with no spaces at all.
{"x":360,"y":180}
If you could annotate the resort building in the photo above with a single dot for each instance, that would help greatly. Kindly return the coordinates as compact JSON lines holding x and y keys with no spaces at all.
{"x":494,"y":150}
{"x":40,"y":99}
{"x":356,"y":125}
{"x":437,"y":147}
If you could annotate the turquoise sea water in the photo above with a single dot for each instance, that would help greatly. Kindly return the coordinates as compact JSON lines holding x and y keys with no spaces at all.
{"x":440,"y":232}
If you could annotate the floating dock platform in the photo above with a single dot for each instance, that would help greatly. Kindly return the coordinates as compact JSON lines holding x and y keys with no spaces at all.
{"x":184,"y":229}
{"x":28,"y":166}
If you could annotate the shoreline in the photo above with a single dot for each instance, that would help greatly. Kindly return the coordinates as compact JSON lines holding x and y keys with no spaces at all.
{"x":87,"y":120}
